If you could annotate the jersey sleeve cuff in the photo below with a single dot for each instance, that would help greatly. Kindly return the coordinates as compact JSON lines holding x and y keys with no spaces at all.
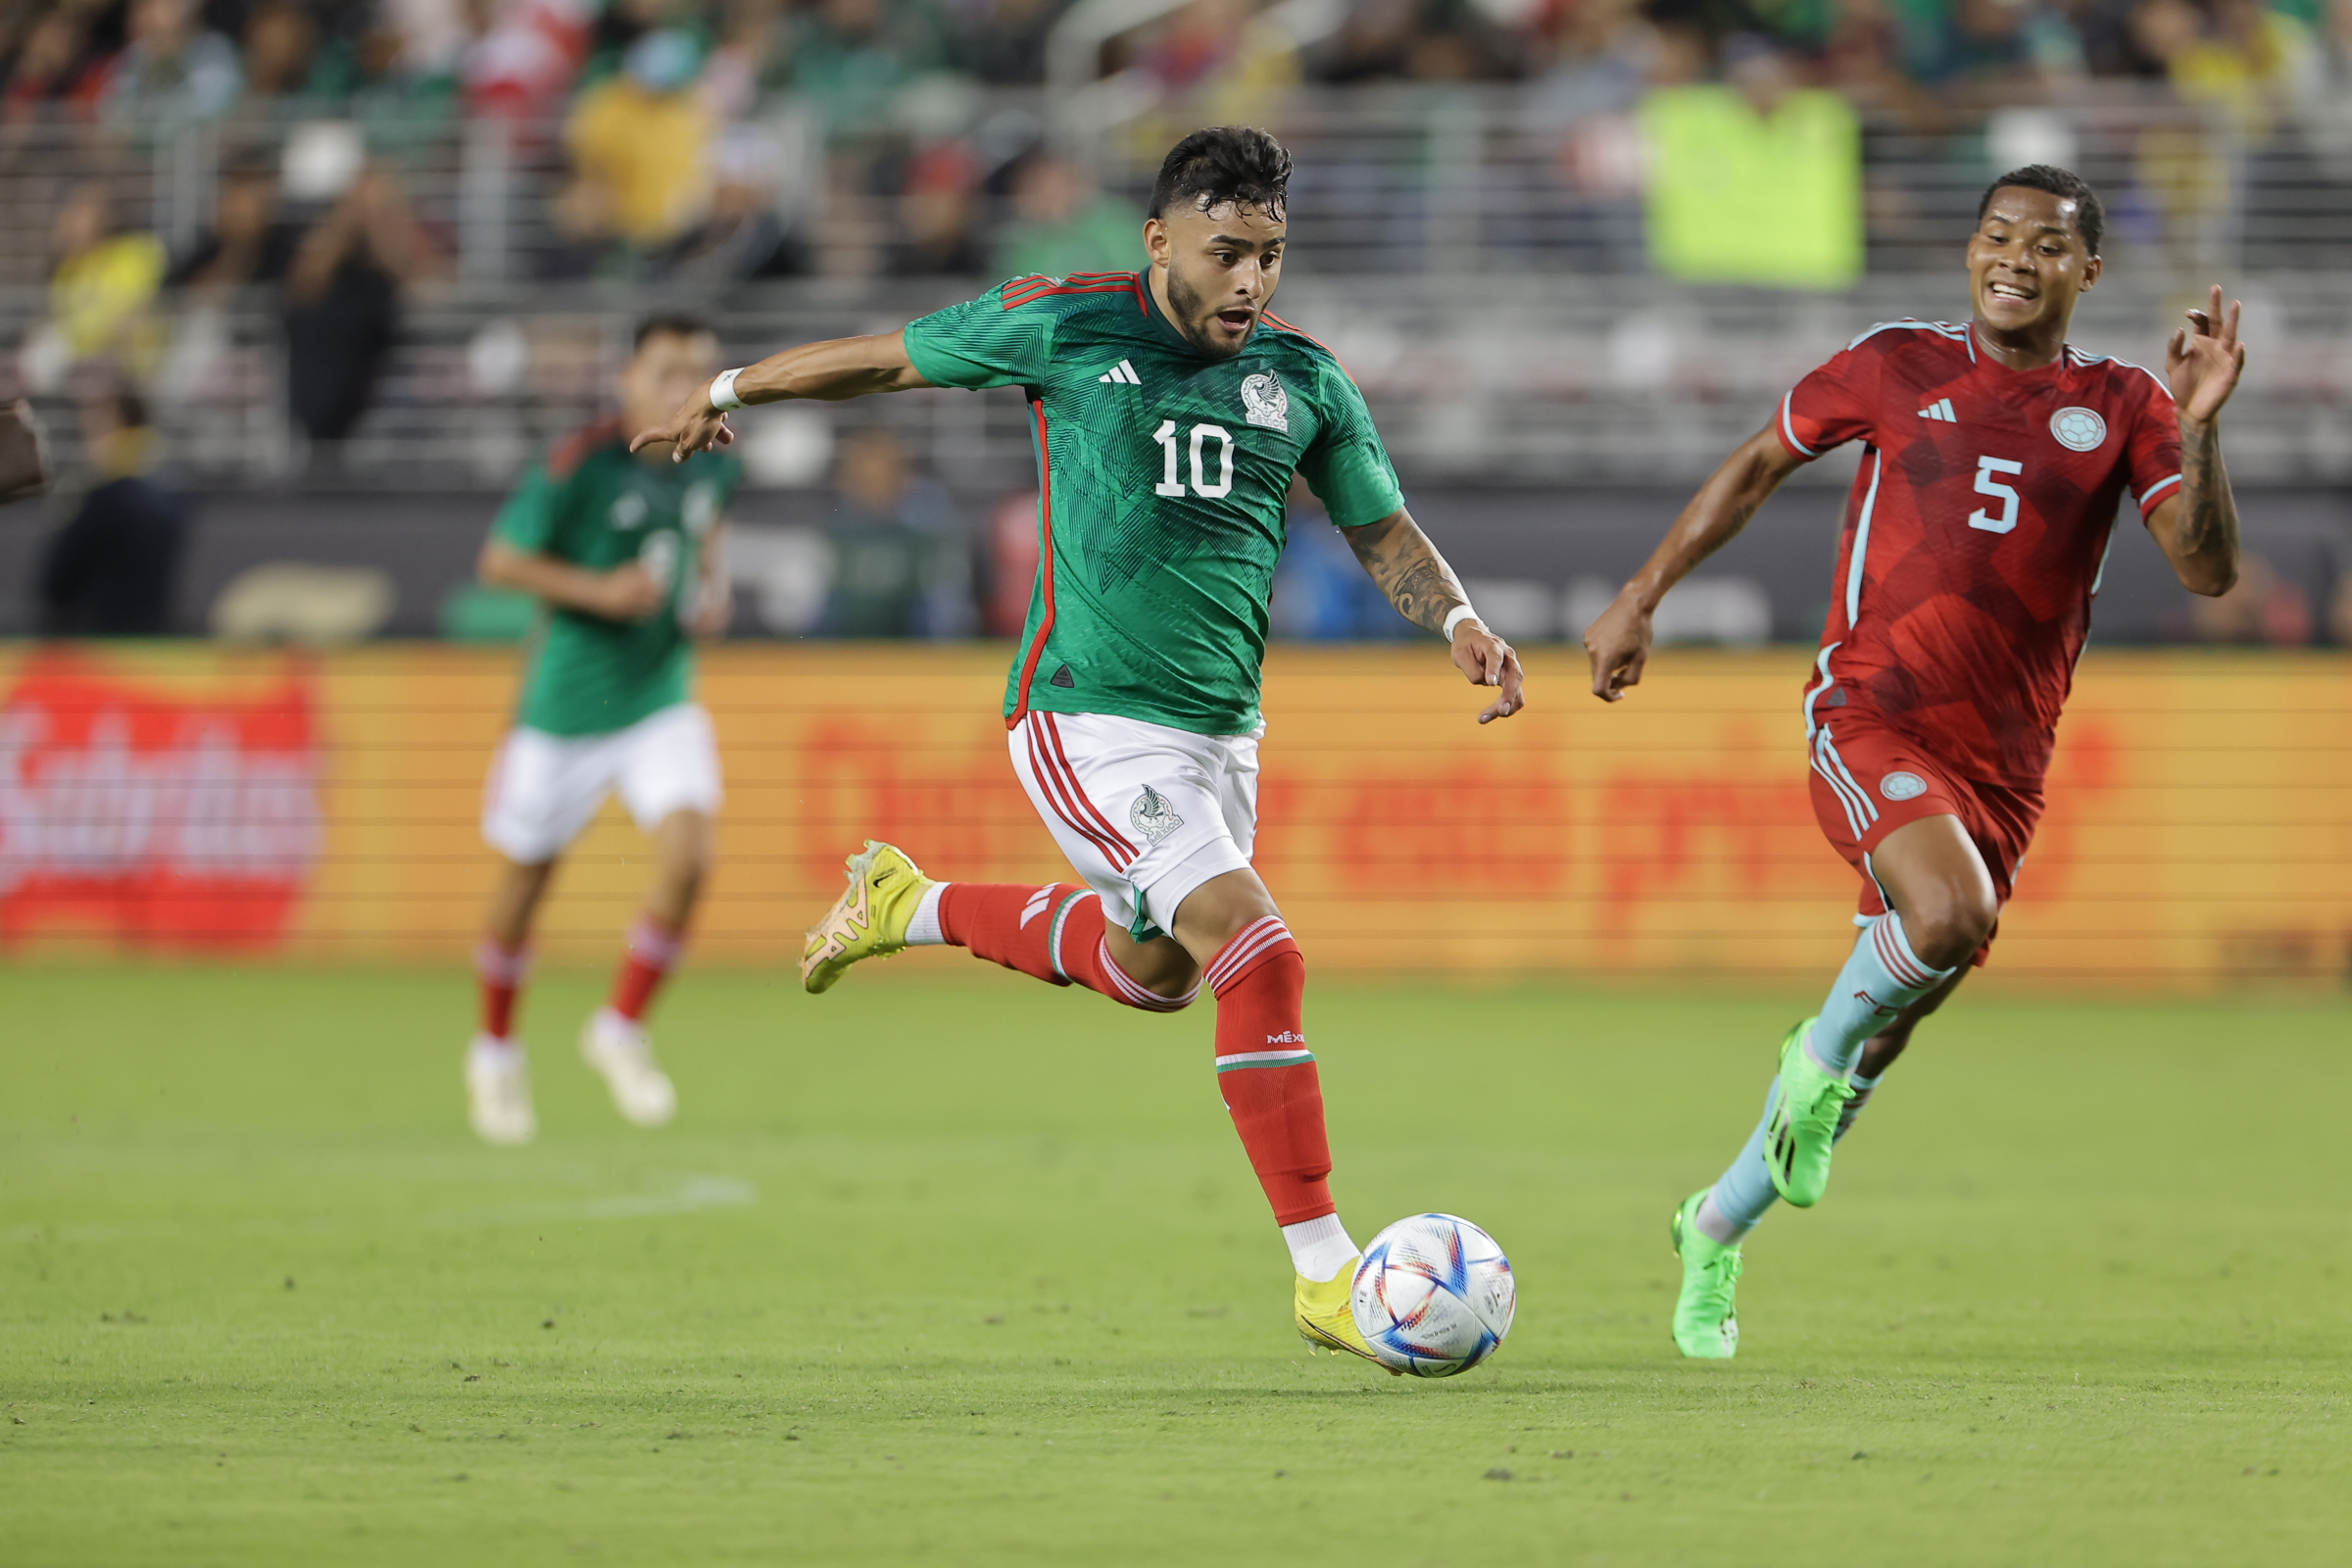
{"x":1786,"y":428}
{"x":2153,"y":495}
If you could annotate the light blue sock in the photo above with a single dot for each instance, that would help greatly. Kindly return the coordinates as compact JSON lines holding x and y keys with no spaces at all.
{"x":1882,"y":978}
{"x":1744,"y":1191}
{"x":1743,"y":1194}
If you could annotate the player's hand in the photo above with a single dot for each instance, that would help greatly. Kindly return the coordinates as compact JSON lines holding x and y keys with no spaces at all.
{"x":1488,"y":660}
{"x":696,"y":427}
{"x":629,"y":592}
{"x":713,"y":609}
{"x":1618,"y":643}
{"x":2205,"y":359}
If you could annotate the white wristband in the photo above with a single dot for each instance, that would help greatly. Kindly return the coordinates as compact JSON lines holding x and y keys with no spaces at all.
{"x":1455,"y":616}
{"x":722,"y":391}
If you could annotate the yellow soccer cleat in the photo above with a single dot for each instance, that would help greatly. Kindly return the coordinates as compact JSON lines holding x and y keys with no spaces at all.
{"x":869,"y":920}
{"x":1326,"y":1322}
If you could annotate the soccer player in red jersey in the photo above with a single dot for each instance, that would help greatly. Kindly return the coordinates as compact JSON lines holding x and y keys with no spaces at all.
{"x":1996,"y":455}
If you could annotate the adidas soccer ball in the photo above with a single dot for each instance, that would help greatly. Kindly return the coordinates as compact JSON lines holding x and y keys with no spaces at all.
{"x":1434,"y":1295}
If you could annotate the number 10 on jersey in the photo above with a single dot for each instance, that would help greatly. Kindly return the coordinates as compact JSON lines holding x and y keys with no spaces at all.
{"x":1202,"y":434}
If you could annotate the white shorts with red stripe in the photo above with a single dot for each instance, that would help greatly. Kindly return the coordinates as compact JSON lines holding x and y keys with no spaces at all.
{"x":1147,"y":813}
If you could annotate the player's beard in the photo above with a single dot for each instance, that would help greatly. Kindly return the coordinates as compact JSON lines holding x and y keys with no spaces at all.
{"x":1191,"y":312}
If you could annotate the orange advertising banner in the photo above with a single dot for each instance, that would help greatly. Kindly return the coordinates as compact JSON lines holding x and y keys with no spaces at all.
{"x":185,"y":799}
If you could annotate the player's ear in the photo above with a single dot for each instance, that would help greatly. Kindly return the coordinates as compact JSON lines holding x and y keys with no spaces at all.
{"x":2090,"y":273}
{"x":1155,"y":241}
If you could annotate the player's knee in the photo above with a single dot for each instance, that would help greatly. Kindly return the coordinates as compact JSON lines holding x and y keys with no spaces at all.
{"x":1949,"y":925}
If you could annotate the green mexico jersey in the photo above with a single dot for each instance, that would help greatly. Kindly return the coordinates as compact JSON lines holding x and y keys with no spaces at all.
{"x":1163,"y":474}
{"x":593,"y":504}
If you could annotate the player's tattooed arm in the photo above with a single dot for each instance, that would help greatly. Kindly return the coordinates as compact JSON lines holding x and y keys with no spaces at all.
{"x":2197,"y":529}
{"x":1618,"y":643}
{"x":831,"y":372}
{"x":1409,"y":569}
{"x":1425,"y":591}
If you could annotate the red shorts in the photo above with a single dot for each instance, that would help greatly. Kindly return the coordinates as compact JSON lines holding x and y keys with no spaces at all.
{"x":1868,"y":780}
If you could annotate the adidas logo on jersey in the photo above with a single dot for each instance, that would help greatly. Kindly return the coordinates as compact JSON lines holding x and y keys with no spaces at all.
{"x":1940,"y":408}
{"x":1121,"y":375}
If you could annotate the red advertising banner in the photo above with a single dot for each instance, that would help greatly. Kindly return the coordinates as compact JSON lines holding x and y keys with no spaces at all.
{"x":132,"y":811}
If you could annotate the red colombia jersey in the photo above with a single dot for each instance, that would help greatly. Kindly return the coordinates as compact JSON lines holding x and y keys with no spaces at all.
{"x":1976,"y":534}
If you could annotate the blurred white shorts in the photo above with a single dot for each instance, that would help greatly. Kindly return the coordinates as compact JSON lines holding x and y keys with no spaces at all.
{"x":1147,"y":813}
{"x":544,"y":790}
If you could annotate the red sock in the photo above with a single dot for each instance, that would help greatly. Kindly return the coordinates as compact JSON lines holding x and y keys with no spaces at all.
{"x":1266,"y":1072}
{"x":501,"y":971}
{"x":654,"y":951}
{"x":1053,"y":933}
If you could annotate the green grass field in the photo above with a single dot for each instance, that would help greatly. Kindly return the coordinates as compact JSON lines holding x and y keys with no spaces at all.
{"x":975,"y":1273}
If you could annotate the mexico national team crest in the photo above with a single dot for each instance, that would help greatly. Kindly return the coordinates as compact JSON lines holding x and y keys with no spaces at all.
{"x":1266,"y":403}
{"x":1153,"y":817}
{"x":2079,"y":430}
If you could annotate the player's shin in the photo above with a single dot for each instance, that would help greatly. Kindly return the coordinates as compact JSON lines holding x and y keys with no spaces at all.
{"x":1880,"y":979}
{"x":1053,"y":933}
{"x":1270,"y":1087}
{"x":654,"y":949}
{"x":1743,"y":1193}
{"x":500,"y":971}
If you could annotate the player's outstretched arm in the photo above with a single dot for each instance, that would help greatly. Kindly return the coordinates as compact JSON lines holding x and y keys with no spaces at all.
{"x":1427,"y":593}
{"x":2197,"y":529}
{"x":831,"y":372}
{"x":1618,"y":643}
{"x":629,"y":592}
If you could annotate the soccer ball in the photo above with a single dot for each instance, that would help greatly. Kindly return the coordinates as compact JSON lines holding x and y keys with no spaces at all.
{"x":1434,"y":1295}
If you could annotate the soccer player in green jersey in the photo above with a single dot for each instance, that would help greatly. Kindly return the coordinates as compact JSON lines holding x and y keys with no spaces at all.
{"x":1170,"y":409}
{"x":622,"y":548}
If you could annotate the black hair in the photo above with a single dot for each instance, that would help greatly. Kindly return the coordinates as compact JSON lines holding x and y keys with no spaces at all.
{"x":671,"y":323}
{"x":1237,"y":164}
{"x":130,"y":410}
{"x":2090,"y":218}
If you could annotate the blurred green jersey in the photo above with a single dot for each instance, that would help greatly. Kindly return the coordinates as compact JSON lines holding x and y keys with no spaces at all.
{"x":591,"y":504}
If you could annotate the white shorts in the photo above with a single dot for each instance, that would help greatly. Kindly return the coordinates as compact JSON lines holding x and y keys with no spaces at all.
{"x":545,"y":789}
{"x":1147,"y":813}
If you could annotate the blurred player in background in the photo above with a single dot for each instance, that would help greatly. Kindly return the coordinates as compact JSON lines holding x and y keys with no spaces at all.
{"x":1995,"y":454}
{"x":1170,"y":410}
{"x":623,"y":550}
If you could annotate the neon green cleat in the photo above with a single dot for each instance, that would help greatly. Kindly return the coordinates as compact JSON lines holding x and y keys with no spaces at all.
{"x":1706,"y":1315}
{"x":1804,"y":1122}
{"x":1327,"y":1320}
{"x":869,"y":920}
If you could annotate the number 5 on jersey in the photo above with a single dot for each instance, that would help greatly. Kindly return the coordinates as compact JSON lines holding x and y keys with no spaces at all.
{"x":1170,"y":485}
{"x":1988,"y":485}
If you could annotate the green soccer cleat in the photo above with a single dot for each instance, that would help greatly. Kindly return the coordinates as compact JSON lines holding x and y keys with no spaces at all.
{"x":1804,"y":1122}
{"x":1706,"y":1315}
{"x":869,"y":920}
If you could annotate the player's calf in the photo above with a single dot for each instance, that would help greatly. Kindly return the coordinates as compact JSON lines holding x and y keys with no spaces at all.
{"x":1056,"y":933}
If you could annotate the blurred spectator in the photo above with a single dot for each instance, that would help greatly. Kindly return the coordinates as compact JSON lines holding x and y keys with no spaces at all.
{"x":2255,"y":64}
{"x":281,"y":42}
{"x":742,"y":236}
{"x":1003,"y":42}
{"x":248,"y":243}
{"x":343,"y":288}
{"x":899,"y":567}
{"x":1062,"y":224}
{"x":640,"y":146}
{"x":49,"y":65}
{"x":851,"y":57}
{"x":1424,"y":40}
{"x":101,"y":294}
{"x":939,"y":216}
{"x":528,"y":57}
{"x":427,"y":38}
{"x":174,"y":73}
{"x":2264,"y":607}
{"x":110,"y":571}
